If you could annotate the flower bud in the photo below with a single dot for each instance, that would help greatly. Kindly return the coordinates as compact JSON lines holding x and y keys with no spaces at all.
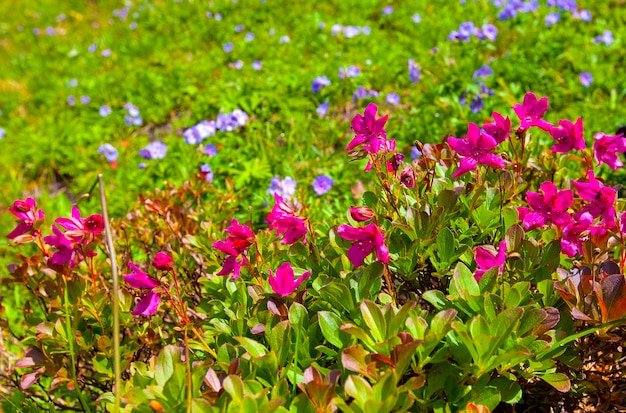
{"x":361,"y":213}
{"x":163,"y":262}
{"x":407,"y":177}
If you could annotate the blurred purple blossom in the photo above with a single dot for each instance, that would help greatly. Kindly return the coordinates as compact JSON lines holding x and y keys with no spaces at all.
{"x":477,"y":104}
{"x":393,"y":99}
{"x":318,"y":83}
{"x":105,"y":111}
{"x":387,"y":10}
{"x":414,"y":71}
{"x":106,"y":52}
{"x":350,"y":71}
{"x":228,"y":47}
{"x":257,"y":65}
{"x":586,"y":78}
{"x":415,"y":153}
{"x":206,"y":172}
{"x":109,"y":152}
{"x":286,"y":188}
{"x":92,"y":47}
{"x":284,"y":39}
{"x":249,"y":36}
{"x":71,"y":100}
{"x":552,"y":18}
{"x":210,"y":150}
{"x":322,"y":109}
{"x":85,"y":100}
{"x":483,"y":71}
{"x":416,"y":18}
{"x":154,"y":150}
{"x":322,"y":184}
{"x":606,"y":38}
{"x":72,"y":83}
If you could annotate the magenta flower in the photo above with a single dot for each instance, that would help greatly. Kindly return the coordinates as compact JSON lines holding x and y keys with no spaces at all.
{"x":486,"y":260}
{"x":368,"y":129}
{"x":81,"y":229}
{"x":575,"y":234}
{"x":551,"y":207}
{"x":531,"y":112}
{"x":284,"y":220}
{"x":569,"y":136}
{"x":367,"y":239}
{"x":601,"y":201}
{"x":284,"y":283}
{"x":67,"y":249}
{"x":148,"y":304}
{"x":407,"y":177}
{"x":606,"y":148}
{"x":500,"y":129}
{"x":239,"y":238}
{"x":475,"y":149}
{"x":361,"y":213}
{"x":28,"y":216}
{"x":163,"y":261}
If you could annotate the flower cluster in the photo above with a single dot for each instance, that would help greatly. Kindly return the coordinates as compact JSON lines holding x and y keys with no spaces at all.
{"x":286,"y":223}
{"x":286,"y":187}
{"x":132,"y":118}
{"x":468,"y":29}
{"x":199,"y":132}
{"x":154,"y":150}
{"x":319,"y":83}
{"x":239,"y":238}
{"x":350,"y":71}
{"x":349,"y":31}
{"x":29,"y":219}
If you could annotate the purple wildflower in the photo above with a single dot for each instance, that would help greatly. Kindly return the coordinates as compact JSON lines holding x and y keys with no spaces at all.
{"x":322,"y":184}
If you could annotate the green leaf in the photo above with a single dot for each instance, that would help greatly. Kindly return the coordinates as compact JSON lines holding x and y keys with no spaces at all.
{"x":359,"y":389}
{"x":255,"y":348}
{"x":297,"y":313}
{"x":374,"y":319}
{"x":437,"y":299}
{"x":330,"y":324}
{"x":445,"y":245}
{"x":279,"y":339}
{"x":338,"y":295}
{"x":557,"y":380}
{"x":164,"y":366}
{"x":463,"y":282}
{"x":234,"y":387}
{"x":510,"y":390}
{"x":488,"y":396}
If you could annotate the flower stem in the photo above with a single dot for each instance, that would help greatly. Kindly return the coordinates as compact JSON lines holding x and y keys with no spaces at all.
{"x":206,"y":345}
{"x":116,"y":316}
{"x":69,"y":331}
{"x":189,"y":382}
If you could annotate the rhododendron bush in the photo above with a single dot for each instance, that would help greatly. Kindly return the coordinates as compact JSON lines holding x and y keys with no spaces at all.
{"x":455,"y":283}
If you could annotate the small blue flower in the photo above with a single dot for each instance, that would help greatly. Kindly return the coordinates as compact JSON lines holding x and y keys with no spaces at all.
{"x":105,"y":111}
{"x":206,"y":172}
{"x":414,"y":71}
{"x":318,"y":83}
{"x":415,"y":153}
{"x":393,"y":99}
{"x":586,"y":78}
{"x":106,"y":52}
{"x":71,"y":100}
{"x":552,"y":18}
{"x":210,"y":150}
{"x":249,"y":36}
{"x":109,"y":152}
{"x":322,"y":184}
{"x":154,"y":150}
{"x":85,"y":100}
{"x":257,"y":65}
{"x":92,"y":47}
{"x":2,"y":133}
{"x":322,"y":109}
{"x":286,"y":188}
{"x":416,"y":18}
{"x":477,"y":104}
{"x":228,"y":47}
{"x":387,"y":10}
{"x":484,"y":71}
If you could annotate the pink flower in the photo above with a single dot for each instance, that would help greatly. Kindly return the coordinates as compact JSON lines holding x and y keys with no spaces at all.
{"x":531,"y":112}
{"x":601,"y":201}
{"x":606,"y":148}
{"x":361,"y":213}
{"x":28,"y":215}
{"x":475,"y":149}
{"x":163,"y":261}
{"x":575,"y":234}
{"x":569,"y":136}
{"x":68,"y":250}
{"x":367,"y":239}
{"x":500,"y":129}
{"x":551,"y":207}
{"x":486,"y":260}
{"x":284,"y":283}
{"x":368,"y":129}
{"x":148,"y":304}
{"x":81,"y":229}
{"x":407,"y":177}
{"x":234,"y":246}
{"x":284,"y":220}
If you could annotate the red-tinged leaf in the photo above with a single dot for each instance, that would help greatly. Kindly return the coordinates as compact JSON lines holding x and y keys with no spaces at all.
{"x":618,"y":309}
{"x":476,"y":408}
{"x":211,"y":380}
{"x":30,"y":378}
{"x":354,"y":358}
{"x":381,"y":360}
{"x":612,"y":288}
{"x":312,"y":375}
{"x":278,"y":308}
{"x":258,"y":329}
{"x":552,"y":318}
{"x":579,"y":315}
{"x":32,"y":357}
{"x":557,"y":380}
{"x":565,"y":295}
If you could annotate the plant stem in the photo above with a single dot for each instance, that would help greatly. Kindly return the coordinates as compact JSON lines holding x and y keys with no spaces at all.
{"x":206,"y":345}
{"x":189,"y":382}
{"x":69,"y":331}
{"x":116,"y":316}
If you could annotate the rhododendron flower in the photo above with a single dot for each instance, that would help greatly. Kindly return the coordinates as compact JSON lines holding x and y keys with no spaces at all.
{"x":606,"y":148}
{"x":67,"y":249}
{"x":162,"y":261}
{"x":407,"y":177}
{"x":475,"y":149}
{"x":361,"y":213}
{"x":569,"y":136}
{"x":368,"y":129}
{"x":284,"y":220}
{"x":575,"y":234}
{"x":27,"y":215}
{"x":239,"y":238}
{"x":284,"y":283}
{"x":486,"y":260}
{"x":148,"y":304}
{"x":551,"y":207}
{"x":367,"y":239}
{"x":531,"y":112}
{"x":500,"y":129}
{"x":80,"y":229}
{"x":601,"y":200}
